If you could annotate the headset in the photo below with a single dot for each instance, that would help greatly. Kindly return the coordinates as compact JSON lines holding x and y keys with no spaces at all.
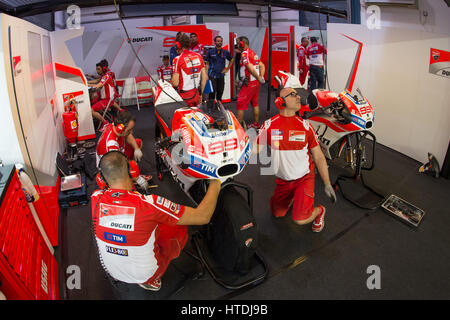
{"x":132,"y":169}
{"x":280,"y":103}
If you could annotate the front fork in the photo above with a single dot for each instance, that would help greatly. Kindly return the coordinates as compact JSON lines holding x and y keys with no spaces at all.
{"x":355,"y":155}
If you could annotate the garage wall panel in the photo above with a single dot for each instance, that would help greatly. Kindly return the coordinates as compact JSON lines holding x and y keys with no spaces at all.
{"x":411,"y":105}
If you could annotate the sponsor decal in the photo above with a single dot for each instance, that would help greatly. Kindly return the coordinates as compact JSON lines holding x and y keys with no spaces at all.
{"x":115,"y":237}
{"x":167,"y":203}
{"x":169,"y":42}
{"x":116,"y":194}
{"x":277,"y":132}
{"x":245,"y":156}
{"x":358,"y":121}
{"x":276,"y":137}
{"x":117,"y":251}
{"x":203,"y":167}
{"x":160,"y":200}
{"x":141,"y":39}
{"x":298,"y":136}
{"x":117,"y":217}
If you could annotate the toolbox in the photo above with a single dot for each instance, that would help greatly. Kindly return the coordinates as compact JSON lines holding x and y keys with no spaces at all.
{"x":403,"y":210}
{"x":71,"y":197}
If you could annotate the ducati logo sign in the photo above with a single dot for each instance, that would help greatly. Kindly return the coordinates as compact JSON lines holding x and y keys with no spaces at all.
{"x":436,"y":55}
{"x":440,"y":62}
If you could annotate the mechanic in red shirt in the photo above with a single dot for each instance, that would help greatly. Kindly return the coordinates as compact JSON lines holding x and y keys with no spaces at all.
{"x":303,"y":66}
{"x":251,"y":74}
{"x":107,"y":93}
{"x":119,"y":136}
{"x":137,"y":235}
{"x":195,"y":46}
{"x":316,"y":55}
{"x":294,"y":151}
{"x":189,"y":73}
{"x":165,"y":71}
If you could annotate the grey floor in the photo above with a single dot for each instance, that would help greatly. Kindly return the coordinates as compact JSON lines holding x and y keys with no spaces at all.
{"x":333,"y":264}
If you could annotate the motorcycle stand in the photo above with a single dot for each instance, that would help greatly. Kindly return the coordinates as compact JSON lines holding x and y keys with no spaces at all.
{"x":371,"y":200}
{"x":226,"y":278}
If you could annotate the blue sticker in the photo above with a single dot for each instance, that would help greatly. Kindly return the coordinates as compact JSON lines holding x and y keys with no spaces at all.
{"x":115,"y":237}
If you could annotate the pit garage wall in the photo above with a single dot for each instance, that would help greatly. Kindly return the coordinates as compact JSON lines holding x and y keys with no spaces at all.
{"x":33,"y":134}
{"x":150,"y":43}
{"x":412,"y":113}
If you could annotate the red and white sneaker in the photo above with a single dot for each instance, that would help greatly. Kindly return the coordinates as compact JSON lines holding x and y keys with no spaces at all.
{"x":254,"y":125}
{"x":319,"y":221}
{"x":154,"y":286}
{"x":147,"y":177}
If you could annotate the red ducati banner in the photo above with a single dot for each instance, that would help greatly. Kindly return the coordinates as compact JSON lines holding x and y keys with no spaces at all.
{"x":440,"y":62}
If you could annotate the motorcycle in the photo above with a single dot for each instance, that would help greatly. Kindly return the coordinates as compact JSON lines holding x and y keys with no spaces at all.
{"x":342,"y":122}
{"x":193,"y":145}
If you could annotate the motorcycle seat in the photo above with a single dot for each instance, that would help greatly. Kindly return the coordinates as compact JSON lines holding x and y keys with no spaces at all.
{"x":325,"y":98}
{"x":166,"y":111}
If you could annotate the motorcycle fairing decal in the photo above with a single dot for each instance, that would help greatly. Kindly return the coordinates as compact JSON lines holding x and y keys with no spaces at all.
{"x":203,"y":167}
{"x":195,"y":174}
{"x":243,"y":160}
{"x":192,"y":140}
{"x":358,"y":121}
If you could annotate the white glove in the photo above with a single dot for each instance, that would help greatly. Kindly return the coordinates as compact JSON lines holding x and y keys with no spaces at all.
{"x":142,"y":182}
{"x":138,"y":154}
{"x":261,"y":80}
{"x":329,"y":191}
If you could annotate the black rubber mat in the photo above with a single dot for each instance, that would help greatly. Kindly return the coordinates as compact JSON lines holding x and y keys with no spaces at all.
{"x":302,"y":264}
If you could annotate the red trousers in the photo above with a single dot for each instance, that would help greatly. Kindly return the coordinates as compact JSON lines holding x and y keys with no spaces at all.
{"x":300,"y":192}
{"x":171,"y":241}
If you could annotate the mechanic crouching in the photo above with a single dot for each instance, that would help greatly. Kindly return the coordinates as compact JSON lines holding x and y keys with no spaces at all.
{"x":119,"y":136}
{"x":139,"y":235}
{"x":294,"y":152}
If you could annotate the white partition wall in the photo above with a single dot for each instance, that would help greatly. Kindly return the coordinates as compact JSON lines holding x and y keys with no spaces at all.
{"x":29,"y":76}
{"x":412,"y":110}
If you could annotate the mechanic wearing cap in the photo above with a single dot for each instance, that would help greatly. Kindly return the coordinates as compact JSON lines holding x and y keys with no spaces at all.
{"x":189,"y":74}
{"x":215,"y":67}
{"x":252,"y":74}
{"x":294,"y":151}
{"x":303,"y":66}
{"x":316,"y":55}
{"x":138,"y":235}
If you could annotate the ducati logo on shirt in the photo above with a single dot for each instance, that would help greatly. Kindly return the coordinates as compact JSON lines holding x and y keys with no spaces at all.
{"x":298,"y":136}
{"x":117,"y":217}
